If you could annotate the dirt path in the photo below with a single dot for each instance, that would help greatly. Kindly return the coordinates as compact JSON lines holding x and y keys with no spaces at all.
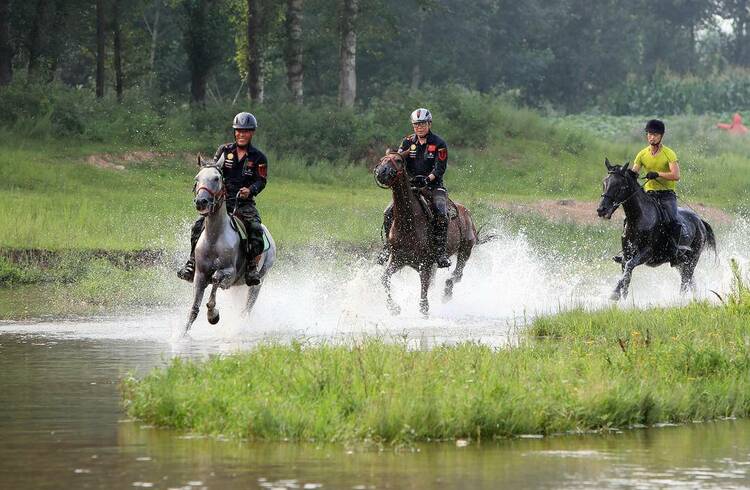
{"x":584,"y":212}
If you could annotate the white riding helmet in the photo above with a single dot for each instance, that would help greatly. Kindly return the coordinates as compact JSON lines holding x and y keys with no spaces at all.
{"x":421,"y":115}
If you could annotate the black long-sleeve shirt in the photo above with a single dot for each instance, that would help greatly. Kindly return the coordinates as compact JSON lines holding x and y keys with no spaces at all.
{"x":426,"y":159}
{"x":250,"y":171}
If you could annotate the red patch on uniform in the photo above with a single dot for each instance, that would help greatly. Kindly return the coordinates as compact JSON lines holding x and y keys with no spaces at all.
{"x":431,"y":148}
{"x":263,"y":170}
{"x":443,"y":154}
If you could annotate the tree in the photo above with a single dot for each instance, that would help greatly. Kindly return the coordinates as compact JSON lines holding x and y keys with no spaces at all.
{"x":202,"y":38}
{"x":293,"y":52}
{"x":100,"y":41}
{"x":6,"y":50}
{"x":254,"y":52}
{"x":348,"y":53}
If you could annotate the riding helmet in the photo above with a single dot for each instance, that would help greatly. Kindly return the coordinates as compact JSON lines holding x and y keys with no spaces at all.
{"x":421,"y":115}
{"x":655,"y":126}
{"x":244,"y":120}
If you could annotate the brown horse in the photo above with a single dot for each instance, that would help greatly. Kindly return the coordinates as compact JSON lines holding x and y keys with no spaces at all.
{"x":410,"y":235}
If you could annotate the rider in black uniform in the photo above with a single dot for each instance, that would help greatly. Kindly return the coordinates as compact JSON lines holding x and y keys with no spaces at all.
{"x":245,"y":172}
{"x":426,"y":160}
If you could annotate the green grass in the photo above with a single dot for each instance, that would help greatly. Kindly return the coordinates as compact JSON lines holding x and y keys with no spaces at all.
{"x":578,"y":371}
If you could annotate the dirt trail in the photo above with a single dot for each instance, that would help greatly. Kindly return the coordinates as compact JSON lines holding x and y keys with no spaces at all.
{"x":584,"y":212}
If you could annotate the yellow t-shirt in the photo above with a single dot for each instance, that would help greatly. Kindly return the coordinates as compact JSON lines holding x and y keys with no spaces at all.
{"x":657,"y":163}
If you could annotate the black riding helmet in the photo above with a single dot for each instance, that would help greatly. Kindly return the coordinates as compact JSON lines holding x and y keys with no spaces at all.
{"x":244,"y":120}
{"x":655,"y":126}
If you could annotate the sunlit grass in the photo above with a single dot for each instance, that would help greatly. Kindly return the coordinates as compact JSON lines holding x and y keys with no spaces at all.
{"x":574,"y":372}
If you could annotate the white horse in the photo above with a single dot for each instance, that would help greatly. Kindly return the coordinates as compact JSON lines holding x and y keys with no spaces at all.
{"x":219,"y":258}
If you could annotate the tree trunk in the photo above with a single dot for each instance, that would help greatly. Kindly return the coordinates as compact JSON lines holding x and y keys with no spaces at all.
{"x":348,"y":54}
{"x":416,"y":69}
{"x":35,"y":43}
{"x":294,"y":67}
{"x":6,"y":51}
{"x":197,"y":46}
{"x":153,"y":29}
{"x":117,"y":46}
{"x":254,"y":52}
{"x":100,"y":23}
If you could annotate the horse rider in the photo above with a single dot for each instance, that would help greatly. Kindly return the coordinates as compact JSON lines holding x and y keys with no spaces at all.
{"x":662,"y":173}
{"x":426,"y":159}
{"x":245,"y":172}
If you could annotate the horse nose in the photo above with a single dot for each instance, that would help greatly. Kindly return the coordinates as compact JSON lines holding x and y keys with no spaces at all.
{"x":201,"y":203}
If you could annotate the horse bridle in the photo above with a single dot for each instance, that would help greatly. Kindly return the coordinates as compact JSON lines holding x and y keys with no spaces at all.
{"x":217,"y":197}
{"x":399,"y":168}
{"x":618,"y":204}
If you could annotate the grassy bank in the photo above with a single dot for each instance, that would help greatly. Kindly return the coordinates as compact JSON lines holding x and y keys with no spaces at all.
{"x":577,"y":371}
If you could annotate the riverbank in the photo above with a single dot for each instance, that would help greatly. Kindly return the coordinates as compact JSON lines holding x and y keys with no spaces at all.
{"x":574,"y":372}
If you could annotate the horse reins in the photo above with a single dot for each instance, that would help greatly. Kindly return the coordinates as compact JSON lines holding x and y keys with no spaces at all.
{"x":216,"y":197}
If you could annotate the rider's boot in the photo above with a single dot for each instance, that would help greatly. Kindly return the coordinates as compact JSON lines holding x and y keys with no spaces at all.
{"x":681,"y":239}
{"x":441,"y":237}
{"x":385,"y":253}
{"x":252,"y":275}
{"x":187,"y":271}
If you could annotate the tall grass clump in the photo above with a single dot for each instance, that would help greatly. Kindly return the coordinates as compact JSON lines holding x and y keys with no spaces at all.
{"x":577,"y":371}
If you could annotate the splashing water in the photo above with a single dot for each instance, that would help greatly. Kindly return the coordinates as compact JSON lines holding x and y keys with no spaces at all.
{"x":506,"y":283}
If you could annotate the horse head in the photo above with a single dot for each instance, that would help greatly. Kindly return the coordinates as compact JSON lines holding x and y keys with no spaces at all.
{"x":388,"y":169}
{"x":209,"y":187}
{"x":618,"y":186}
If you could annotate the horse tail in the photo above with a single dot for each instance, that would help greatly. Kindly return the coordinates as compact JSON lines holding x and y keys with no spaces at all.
{"x":710,"y":236}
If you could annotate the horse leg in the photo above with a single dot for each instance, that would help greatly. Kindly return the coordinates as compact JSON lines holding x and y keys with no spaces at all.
{"x":425,"y":276}
{"x":252,"y":297}
{"x":386,"y":280}
{"x":621,"y":291}
{"x":199,"y":286}
{"x":213,"y":312}
{"x":463,"y":256}
{"x":687,"y":269}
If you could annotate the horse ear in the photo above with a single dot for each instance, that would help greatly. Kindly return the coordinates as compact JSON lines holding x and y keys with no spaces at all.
{"x":625,"y":167}
{"x":220,"y":162}
{"x":200,"y":161}
{"x":607,"y":164}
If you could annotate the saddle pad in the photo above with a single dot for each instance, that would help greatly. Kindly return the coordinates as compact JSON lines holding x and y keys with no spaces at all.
{"x":239,"y":227}
{"x":266,"y":243}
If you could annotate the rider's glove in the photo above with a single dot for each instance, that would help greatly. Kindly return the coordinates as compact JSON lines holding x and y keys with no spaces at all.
{"x":419,"y":181}
{"x":652,"y":175}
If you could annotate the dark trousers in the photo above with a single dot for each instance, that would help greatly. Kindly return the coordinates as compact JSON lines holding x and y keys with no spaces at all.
{"x":438,"y":197}
{"x":668,"y":201}
{"x":249,"y":216}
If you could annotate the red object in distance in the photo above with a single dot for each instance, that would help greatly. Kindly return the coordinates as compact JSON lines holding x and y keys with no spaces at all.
{"x":736,"y":127}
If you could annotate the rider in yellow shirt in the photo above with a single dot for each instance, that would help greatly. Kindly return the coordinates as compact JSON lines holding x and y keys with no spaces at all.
{"x":662,"y":173}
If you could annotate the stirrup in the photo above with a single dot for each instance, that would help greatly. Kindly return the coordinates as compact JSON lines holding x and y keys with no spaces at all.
{"x":188,"y":271}
{"x":252,"y":277}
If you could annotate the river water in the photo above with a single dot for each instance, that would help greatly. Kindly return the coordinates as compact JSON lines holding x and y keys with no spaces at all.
{"x":62,"y":424}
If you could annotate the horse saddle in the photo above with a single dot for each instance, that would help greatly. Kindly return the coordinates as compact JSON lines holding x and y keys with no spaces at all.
{"x":239,"y":227}
{"x":424,"y":201}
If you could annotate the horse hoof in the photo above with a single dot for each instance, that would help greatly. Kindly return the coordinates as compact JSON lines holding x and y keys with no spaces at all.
{"x":214,"y":319}
{"x":614,"y":297}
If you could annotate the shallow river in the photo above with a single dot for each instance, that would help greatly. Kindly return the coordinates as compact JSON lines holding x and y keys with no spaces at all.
{"x":62,"y":426}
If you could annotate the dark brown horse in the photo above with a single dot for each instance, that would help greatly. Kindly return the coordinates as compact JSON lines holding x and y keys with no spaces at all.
{"x":410,"y":235}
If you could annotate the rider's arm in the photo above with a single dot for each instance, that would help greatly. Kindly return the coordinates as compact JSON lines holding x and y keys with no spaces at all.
{"x":674,"y":172}
{"x":219,"y":152}
{"x":441,"y":163}
{"x":637,"y":163}
{"x":260,"y":176}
